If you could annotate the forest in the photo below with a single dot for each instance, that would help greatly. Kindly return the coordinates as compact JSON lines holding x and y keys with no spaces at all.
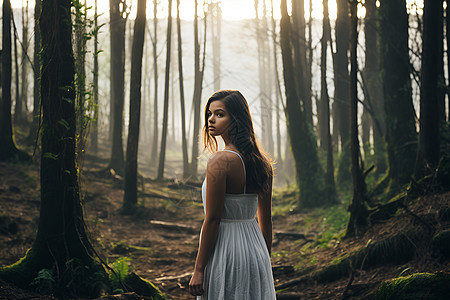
{"x":102,"y":163}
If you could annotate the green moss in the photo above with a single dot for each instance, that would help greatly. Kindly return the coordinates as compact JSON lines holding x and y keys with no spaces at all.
{"x":416,"y":286}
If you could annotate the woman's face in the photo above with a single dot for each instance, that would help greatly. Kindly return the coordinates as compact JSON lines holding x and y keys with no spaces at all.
{"x":218,"y":118}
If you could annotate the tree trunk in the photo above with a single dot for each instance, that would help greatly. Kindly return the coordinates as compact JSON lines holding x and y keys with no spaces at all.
{"x":198,"y":86}
{"x":216,"y":31}
{"x":155,"y":139}
{"x":162,"y":154}
{"x":325,"y":135}
{"x":94,"y":135}
{"x":374,"y":84}
{"x":299,"y":25}
{"x":61,"y":239}
{"x":447,"y":32}
{"x":118,"y":25}
{"x":322,"y":106}
{"x":130,"y":197}
{"x":8,"y":149}
{"x":32,"y":136}
{"x":358,"y":212}
{"x":182,"y":104}
{"x":429,"y":142}
{"x":24,"y":83}
{"x":309,"y":173}
{"x":401,"y":134}
{"x":341,"y":92}
{"x":19,"y":109}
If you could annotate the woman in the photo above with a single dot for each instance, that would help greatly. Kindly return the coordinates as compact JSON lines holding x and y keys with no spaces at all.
{"x":233,"y":260}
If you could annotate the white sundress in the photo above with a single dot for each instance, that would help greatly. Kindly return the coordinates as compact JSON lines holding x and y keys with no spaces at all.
{"x":239,"y":267}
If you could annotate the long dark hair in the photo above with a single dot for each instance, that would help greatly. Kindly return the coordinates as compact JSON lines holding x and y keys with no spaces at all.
{"x":242,"y":135}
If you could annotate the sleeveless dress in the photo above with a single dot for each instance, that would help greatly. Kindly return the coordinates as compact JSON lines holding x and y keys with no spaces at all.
{"x":239,"y":267}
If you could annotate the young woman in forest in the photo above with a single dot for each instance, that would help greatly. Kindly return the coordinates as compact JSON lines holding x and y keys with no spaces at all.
{"x":233,"y":260}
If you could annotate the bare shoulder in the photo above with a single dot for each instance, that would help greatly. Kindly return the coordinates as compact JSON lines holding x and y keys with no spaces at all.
{"x":221,"y":161}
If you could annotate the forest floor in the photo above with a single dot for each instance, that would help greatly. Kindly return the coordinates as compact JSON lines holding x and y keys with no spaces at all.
{"x":161,"y":240}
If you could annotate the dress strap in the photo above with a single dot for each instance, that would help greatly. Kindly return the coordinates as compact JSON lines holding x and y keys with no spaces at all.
{"x":243,"y":164}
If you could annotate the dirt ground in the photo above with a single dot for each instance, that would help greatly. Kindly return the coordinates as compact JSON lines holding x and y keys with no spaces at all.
{"x":162,"y":239}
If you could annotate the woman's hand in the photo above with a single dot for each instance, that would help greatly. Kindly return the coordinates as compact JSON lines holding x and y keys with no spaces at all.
{"x":196,"y":284}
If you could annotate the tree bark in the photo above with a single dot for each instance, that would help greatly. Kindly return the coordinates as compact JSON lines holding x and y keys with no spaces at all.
{"x":401,"y":134}
{"x":8,"y":149}
{"x":325,"y":134}
{"x":182,"y":104}
{"x":33,"y":136}
{"x":162,"y":154}
{"x":118,"y":26}
{"x":341,"y":93}
{"x":155,"y":139}
{"x":94,"y":135}
{"x":309,"y":174}
{"x":358,"y":212}
{"x":61,"y":241}
{"x":374,"y":85}
{"x":130,"y":198}
{"x":428,"y":153}
{"x":198,"y":87}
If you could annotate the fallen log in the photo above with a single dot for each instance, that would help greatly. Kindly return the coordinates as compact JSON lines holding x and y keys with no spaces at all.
{"x":175,"y":226}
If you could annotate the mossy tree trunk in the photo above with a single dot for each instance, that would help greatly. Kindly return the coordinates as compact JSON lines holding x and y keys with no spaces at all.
{"x":358,"y":211}
{"x":94,"y":133}
{"x":8,"y":149}
{"x":428,"y":153}
{"x":61,"y":239}
{"x":401,"y":137}
{"x":309,"y":173}
{"x":131,"y":166}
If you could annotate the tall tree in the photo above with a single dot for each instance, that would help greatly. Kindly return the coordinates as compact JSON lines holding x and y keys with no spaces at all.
{"x":61,"y":242}
{"x":24,"y":71}
{"x":357,"y":208}
{"x":372,"y":78}
{"x":216,"y":32}
{"x":118,"y":17}
{"x":340,"y":108}
{"x":401,"y":135}
{"x":154,"y":38}
{"x":299,"y":39}
{"x":182,"y":104}
{"x":428,"y":153}
{"x":94,"y":135}
{"x":324,"y":107}
{"x":131,"y":166}
{"x":8,"y":149}
{"x":162,"y":154}
{"x":199,"y":68}
{"x":32,"y":136}
{"x":309,"y":173}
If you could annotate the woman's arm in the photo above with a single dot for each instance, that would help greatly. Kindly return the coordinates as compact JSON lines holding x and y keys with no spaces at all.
{"x":216,"y":175}
{"x":265,"y":214}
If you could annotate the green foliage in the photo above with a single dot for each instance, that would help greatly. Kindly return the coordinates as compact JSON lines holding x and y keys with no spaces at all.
{"x":45,"y":281}
{"x":119,"y":271}
{"x":417,"y":286}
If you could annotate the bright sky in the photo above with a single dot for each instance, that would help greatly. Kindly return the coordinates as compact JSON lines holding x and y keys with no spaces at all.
{"x":231,"y":9}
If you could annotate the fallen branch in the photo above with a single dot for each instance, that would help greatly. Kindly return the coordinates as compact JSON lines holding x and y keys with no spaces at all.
{"x":174,"y":226}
